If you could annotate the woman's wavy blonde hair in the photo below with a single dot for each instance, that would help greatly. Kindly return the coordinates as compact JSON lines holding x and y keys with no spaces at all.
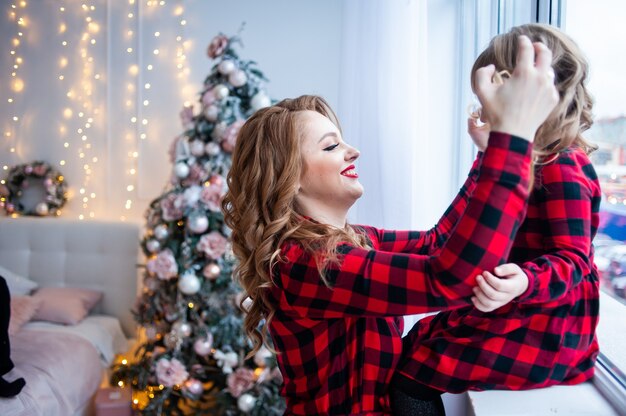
{"x":572,"y":115}
{"x":260,"y":205}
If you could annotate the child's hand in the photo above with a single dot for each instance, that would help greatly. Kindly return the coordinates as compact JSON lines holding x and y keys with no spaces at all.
{"x":478,"y":133}
{"x":493,"y":292}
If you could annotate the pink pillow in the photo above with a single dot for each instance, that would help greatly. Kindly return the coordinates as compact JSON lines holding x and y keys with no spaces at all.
{"x":65,"y":305}
{"x":23,"y":308}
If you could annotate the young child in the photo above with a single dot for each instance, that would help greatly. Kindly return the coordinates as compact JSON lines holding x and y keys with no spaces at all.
{"x":547,"y":335}
{"x":329,"y":292}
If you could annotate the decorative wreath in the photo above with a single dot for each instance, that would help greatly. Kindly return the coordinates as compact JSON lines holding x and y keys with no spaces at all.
{"x":12,"y":187}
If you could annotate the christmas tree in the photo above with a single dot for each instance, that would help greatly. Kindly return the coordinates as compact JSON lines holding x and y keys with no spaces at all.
{"x":191,"y":357}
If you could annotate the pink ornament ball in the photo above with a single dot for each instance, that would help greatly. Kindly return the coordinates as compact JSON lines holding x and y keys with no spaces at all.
{"x":194,"y":386}
{"x":202,"y":346}
{"x":211,"y":271}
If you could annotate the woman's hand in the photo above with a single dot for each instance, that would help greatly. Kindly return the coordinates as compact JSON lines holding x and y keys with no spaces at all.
{"x":478,"y":133}
{"x":493,"y":292}
{"x":521,"y":104}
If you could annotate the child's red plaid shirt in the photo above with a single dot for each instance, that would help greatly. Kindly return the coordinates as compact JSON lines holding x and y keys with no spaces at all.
{"x":338,"y":347}
{"x":547,"y":336}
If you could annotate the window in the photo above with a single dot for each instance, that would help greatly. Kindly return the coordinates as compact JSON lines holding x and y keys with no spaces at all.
{"x":598,"y":28}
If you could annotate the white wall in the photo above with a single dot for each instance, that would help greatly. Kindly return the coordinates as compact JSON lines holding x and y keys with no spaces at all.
{"x":295,"y":43}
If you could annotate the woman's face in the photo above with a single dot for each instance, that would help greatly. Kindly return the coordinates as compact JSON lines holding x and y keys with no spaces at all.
{"x":329,"y":177}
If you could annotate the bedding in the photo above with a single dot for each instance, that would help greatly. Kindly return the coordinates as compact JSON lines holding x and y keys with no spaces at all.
{"x":62,"y":365}
{"x":102,"y":331}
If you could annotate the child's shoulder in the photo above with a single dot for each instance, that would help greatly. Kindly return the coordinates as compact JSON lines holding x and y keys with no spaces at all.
{"x":571,"y":165}
{"x":573,"y":157}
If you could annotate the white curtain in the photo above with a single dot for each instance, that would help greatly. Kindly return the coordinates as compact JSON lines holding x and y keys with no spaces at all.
{"x":383,"y":107}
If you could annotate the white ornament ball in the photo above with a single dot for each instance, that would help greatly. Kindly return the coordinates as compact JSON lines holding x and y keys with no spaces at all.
{"x":161,"y":232}
{"x":211,"y":113}
{"x":181,"y":170}
{"x":153,"y":245}
{"x":194,"y":386}
{"x":189,"y":284}
{"x":183,"y":329}
{"x":203,"y":346}
{"x":220,"y":91}
{"x":261,"y":356}
{"x":226,"y":67}
{"x":246,"y":402}
{"x":197,"y":223}
{"x":197,"y":148}
{"x":260,"y":100}
{"x":212,"y":149}
{"x":41,"y":209}
{"x":238,"y":78}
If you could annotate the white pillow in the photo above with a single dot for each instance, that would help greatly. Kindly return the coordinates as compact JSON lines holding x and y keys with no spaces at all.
{"x":18,"y":285}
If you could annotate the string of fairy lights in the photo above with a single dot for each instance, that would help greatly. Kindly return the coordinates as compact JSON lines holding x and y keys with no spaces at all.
{"x":132,"y":48}
{"x":17,"y":15}
{"x":80,"y":114}
{"x":139,"y":88}
{"x":81,"y":73}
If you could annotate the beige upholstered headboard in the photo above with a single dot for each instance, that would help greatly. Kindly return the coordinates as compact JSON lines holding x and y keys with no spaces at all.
{"x":99,"y":255}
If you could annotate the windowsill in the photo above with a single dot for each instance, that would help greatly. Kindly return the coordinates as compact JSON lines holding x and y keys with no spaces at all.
{"x":583,"y":399}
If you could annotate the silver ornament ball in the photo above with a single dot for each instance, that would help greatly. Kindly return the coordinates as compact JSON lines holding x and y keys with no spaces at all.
{"x":212,"y":149}
{"x":219,"y":130}
{"x":260,"y":100}
{"x":181,"y":169}
{"x":212,"y":113}
{"x":182,"y":328}
{"x":197,"y":148}
{"x":197,"y":223}
{"x":220,"y":91}
{"x":238,"y":78}
{"x":161,"y":232}
{"x":226,"y":67}
{"x":153,"y":245}
{"x":189,"y":284}
{"x":246,"y":402}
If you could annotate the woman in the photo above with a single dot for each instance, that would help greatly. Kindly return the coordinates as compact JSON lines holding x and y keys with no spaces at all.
{"x":329,"y":292}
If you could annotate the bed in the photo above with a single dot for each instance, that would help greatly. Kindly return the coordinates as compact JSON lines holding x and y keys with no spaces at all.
{"x":64,"y":365}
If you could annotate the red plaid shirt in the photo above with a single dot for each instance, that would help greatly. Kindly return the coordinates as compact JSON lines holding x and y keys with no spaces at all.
{"x":338,"y":347}
{"x":546,"y":337}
